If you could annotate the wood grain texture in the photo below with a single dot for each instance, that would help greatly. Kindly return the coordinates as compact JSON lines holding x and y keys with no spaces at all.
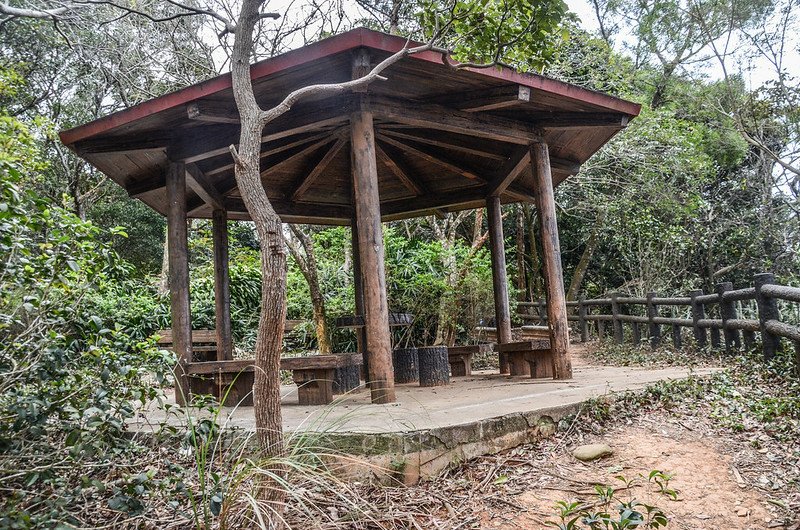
{"x":222,"y":285}
{"x":502,"y":313}
{"x":371,"y":255}
{"x":551,"y":262}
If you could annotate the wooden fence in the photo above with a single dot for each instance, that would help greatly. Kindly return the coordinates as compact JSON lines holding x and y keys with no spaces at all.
{"x":729,"y":308}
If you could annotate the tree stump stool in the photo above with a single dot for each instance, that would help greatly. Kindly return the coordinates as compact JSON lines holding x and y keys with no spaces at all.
{"x":406,"y":365}
{"x":434,"y":366}
{"x":346,"y":378}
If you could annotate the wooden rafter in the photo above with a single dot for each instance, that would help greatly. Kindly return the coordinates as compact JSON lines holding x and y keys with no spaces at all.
{"x":511,"y":170}
{"x":317,"y":170}
{"x":115,"y":145}
{"x":137,"y":189}
{"x":430,"y":157}
{"x":400,"y":170}
{"x":498,"y":98}
{"x":438,"y":142}
{"x":202,"y":186}
{"x":306,"y":151}
{"x":277,"y":148}
{"x":447,"y":119}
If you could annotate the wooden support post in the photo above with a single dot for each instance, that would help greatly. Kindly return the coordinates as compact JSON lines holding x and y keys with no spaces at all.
{"x":222,"y":285}
{"x":727,"y":311}
{"x":616,"y":323}
{"x":583,"y":323}
{"x":654,"y":329}
{"x":178,"y":248}
{"x":767,"y":310}
{"x":358,"y":291}
{"x":371,"y":255}
{"x":698,"y":313}
{"x":551,"y":261}
{"x":499,"y":281}
{"x":601,"y":330}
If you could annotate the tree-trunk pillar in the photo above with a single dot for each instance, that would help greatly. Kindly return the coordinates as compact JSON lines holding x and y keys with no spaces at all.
{"x":616,"y":323}
{"x":179,"y":277}
{"x":654,"y":330}
{"x":358,"y":292}
{"x":582,"y":314}
{"x":551,"y":257}
{"x":222,"y":285}
{"x":502,"y":314}
{"x":371,"y":256}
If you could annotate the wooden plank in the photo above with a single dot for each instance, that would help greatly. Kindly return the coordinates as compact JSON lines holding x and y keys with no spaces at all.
{"x":524,"y":346}
{"x":400,"y":171}
{"x":152,"y":142}
{"x":178,"y":247}
{"x":371,"y":254}
{"x":297,"y":210}
{"x":551,"y":261}
{"x":299,"y":155}
{"x":137,"y":189}
{"x":222,"y":285}
{"x":202,"y":186}
{"x":310,"y":362}
{"x":575,"y":120}
{"x":317,"y":170}
{"x":499,"y":280}
{"x":434,"y":158}
{"x":446,"y":119}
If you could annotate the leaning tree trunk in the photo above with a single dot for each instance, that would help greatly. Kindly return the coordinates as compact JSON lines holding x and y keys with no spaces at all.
{"x":266,"y":390}
{"x":583,"y":264}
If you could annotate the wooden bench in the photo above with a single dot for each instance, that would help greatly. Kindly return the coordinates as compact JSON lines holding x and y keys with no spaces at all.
{"x":460,"y":358}
{"x":533,"y":358}
{"x":204,"y":343}
{"x":313,"y":375}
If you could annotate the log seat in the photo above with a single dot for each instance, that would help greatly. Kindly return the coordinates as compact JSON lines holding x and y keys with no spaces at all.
{"x":313,"y":374}
{"x":460,"y":358}
{"x":533,"y":358}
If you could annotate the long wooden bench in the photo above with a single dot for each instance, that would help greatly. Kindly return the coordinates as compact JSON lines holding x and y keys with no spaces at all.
{"x":533,"y":358}
{"x":460,"y":358}
{"x":314,"y":376}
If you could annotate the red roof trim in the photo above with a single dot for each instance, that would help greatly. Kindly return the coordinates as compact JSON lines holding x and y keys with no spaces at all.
{"x":324,"y":48}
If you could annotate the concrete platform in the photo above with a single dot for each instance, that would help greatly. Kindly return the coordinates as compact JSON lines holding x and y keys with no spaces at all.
{"x":427,"y":429}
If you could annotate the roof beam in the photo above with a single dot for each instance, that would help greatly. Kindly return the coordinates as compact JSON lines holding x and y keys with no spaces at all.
{"x":299,"y":120}
{"x":276,"y":149}
{"x":499,"y":98}
{"x":443,"y":118}
{"x":430,"y":157}
{"x":438,"y":142}
{"x":122,"y":145}
{"x":341,"y":212}
{"x":401,"y":208}
{"x":318,"y":169}
{"x":513,"y":168}
{"x":212,"y":112}
{"x":142,"y":187}
{"x":202,"y":186}
{"x":580,"y":120}
{"x":298,"y":155}
{"x":399,"y":169}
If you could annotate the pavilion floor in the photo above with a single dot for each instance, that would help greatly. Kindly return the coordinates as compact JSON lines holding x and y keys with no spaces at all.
{"x":430,"y":428}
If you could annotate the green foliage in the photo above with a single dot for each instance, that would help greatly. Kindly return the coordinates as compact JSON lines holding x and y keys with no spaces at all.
{"x":523,"y":32}
{"x":68,"y":379}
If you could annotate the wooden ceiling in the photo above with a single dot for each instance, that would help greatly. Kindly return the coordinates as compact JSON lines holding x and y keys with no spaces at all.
{"x":446,"y":138}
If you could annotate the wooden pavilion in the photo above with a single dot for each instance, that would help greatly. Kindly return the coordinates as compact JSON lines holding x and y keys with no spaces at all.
{"x":428,"y":140}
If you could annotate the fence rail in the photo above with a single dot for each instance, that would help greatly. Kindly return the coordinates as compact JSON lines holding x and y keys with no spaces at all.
{"x":695,"y":311}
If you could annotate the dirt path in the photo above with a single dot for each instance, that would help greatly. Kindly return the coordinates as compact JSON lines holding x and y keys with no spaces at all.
{"x":709,"y":495}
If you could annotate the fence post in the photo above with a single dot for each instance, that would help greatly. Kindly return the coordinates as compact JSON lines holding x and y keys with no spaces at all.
{"x":715,"y":338}
{"x":654,"y":330}
{"x":637,"y":333}
{"x":767,"y":310}
{"x":584,"y":327}
{"x":698,"y":313}
{"x":601,"y":330}
{"x":676,"y":336}
{"x":616,"y":323}
{"x":727,"y":311}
